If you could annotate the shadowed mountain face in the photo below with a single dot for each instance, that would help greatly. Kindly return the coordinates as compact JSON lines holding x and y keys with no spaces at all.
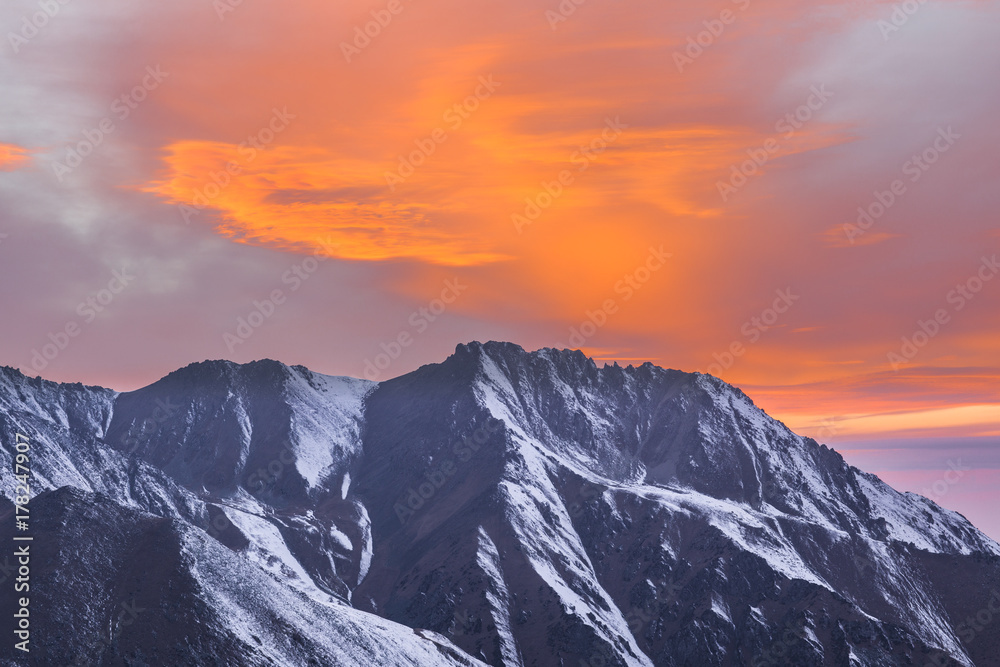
{"x":501,"y":507}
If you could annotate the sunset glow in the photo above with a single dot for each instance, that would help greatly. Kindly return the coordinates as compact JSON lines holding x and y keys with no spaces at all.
{"x":12,"y":157}
{"x":797,"y":199}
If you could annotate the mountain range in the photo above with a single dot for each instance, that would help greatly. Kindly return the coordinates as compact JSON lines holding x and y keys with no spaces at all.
{"x":502,"y":507}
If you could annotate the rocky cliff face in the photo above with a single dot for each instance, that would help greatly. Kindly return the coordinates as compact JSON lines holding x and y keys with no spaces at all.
{"x":501,"y":507}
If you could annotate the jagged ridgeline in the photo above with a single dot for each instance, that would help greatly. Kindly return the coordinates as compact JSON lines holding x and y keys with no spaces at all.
{"x":501,"y":507}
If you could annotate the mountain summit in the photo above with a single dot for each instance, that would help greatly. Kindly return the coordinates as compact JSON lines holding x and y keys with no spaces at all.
{"x":502,"y":507}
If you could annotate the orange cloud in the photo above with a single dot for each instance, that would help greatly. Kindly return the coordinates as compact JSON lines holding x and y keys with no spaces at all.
{"x":473,"y":198}
{"x":13,"y":157}
{"x":921,"y":401}
{"x":554,"y":90}
{"x":294,"y":198}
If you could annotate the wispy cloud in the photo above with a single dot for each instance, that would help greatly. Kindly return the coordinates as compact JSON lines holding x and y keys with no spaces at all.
{"x":13,"y":157}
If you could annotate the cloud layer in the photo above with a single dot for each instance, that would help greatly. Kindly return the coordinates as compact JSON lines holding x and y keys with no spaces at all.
{"x":823,"y":182}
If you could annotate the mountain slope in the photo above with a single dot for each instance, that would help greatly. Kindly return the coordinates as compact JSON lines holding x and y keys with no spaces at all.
{"x":122,"y":587}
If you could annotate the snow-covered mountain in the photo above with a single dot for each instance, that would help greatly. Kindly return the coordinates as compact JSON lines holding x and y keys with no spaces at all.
{"x":501,"y":507}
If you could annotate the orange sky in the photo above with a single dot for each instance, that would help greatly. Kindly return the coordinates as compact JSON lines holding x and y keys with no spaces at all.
{"x":12,"y":157}
{"x":540,"y":162}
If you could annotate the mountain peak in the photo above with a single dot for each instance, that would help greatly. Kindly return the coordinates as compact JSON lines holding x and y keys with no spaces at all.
{"x":17,"y":376}
{"x":222,"y":368}
{"x":569,"y":361}
{"x":219,"y":375}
